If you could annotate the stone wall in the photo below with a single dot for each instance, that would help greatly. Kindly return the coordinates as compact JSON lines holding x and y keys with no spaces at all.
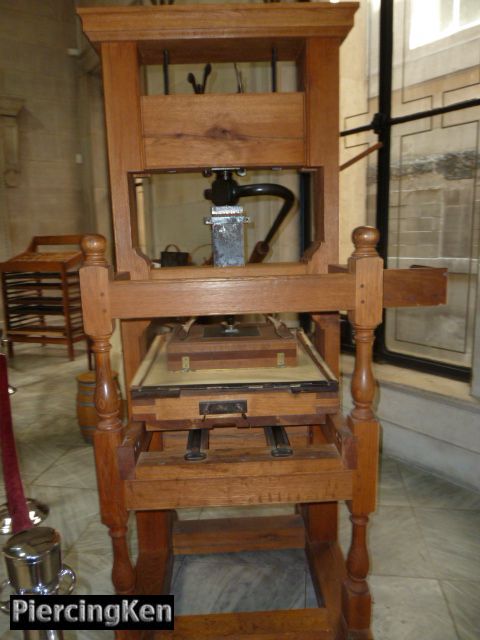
{"x":434,"y":220}
{"x":434,"y":210}
{"x":38,"y":41}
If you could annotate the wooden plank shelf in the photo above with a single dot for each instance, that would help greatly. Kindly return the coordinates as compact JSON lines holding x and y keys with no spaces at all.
{"x":234,"y":535}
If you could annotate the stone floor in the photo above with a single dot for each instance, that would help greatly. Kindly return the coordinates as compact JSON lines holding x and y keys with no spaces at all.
{"x":424,"y":538}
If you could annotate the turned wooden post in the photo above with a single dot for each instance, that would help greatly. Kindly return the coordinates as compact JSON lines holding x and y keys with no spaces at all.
{"x":367,"y":268}
{"x":94,"y":283}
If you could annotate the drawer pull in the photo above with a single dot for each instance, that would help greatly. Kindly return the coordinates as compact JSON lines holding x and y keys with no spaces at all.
{"x":220,"y":407}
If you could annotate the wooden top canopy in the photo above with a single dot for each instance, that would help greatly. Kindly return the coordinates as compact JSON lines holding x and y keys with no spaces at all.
{"x":217,"y":32}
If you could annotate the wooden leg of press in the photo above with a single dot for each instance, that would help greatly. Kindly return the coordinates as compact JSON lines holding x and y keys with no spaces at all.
{"x":110,"y":485}
{"x":321,"y":521}
{"x":325,"y":560}
{"x":94,"y":278}
{"x":367,"y":268}
{"x":128,"y":635}
{"x":155,"y":545}
{"x":357,"y":602}
{"x":123,"y":574}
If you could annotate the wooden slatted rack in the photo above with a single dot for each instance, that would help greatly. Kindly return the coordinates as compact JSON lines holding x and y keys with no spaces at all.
{"x":41,"y":294}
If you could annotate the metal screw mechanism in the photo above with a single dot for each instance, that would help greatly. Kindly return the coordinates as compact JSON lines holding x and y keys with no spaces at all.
{"x":227,"y":235}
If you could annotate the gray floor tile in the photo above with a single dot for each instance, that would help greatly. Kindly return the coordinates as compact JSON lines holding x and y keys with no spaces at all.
{"x":93,"y":570}
{"x":273,"y":558}
{"x":260,"y":581}
{"x":464,"y":603}
{"x":189,"y":514}
{"x":246,"y":512}
{"x":453,"y":542}
{"x":95,"y":540}
{"x":71,"y":510}
{"x":396,"y":545}
{"x":391,"y":489}
{"x":75,"y":469}
{"x":426,"y":490}
{"x":36,"y":456}
{"x":310,"y":595}
{"x":60,"y":428}
{"x":177,"y":565}
{"x":409,"y":609}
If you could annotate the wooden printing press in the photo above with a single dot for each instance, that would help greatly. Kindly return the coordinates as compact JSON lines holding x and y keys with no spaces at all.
{"x":219,"y":418}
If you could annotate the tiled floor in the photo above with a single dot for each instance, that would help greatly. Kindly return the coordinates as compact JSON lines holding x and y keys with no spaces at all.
{"x":424,"y":538}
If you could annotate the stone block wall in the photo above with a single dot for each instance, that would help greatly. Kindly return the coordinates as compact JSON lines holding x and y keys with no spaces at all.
{"x":435,"y":210}
{"x":37,"y":67}
{"x":435,"y":220}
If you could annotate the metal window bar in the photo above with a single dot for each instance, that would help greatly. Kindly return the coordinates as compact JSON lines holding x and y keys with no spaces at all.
{"x":382,"y":124}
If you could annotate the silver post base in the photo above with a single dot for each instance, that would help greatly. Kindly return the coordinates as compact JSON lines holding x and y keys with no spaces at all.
{"x":37,"y":512}
{"x":36,"y":634}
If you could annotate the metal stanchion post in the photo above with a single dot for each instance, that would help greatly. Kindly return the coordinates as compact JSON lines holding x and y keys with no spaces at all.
{"x":34,"y":566}
{"x":24,"y":510}
{"x":3,"y":346}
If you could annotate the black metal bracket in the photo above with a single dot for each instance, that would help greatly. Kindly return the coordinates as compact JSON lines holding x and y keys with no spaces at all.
{"x":197,"y":442}
{"x":166,"y":72}
{"x":273,"y":65}
{"x":381,"y":121}
{"x":277,"y":439}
